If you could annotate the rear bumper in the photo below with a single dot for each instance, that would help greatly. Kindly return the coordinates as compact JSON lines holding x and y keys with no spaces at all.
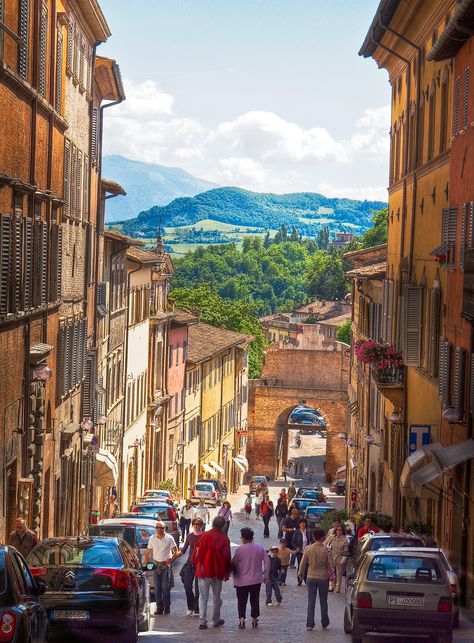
{"x":408,"y":622}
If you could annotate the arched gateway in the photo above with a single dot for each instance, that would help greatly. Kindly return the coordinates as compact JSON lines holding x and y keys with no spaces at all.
{"x":318,"y":379}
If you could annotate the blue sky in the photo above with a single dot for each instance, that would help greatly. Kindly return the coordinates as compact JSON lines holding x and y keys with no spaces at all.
{"x":265,"y":94}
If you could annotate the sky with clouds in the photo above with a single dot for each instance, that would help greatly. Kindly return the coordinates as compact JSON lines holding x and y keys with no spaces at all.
{"x":268,"y":95}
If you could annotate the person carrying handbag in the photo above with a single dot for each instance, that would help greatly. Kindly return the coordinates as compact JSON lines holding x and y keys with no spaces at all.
{"x":188,"y":571}
{"x":339,"y":552}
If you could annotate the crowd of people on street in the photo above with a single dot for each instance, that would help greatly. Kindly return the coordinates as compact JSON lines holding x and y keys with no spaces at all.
{"x":318,"y":558}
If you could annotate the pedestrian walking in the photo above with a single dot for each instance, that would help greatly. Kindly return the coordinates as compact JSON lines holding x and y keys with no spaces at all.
{"x":187,"y":514}
{"x":188,"y":570}
{"x":291,"y":492}
{"x":258,"y":502}
{"x":284,"y":555}
{"x":162,"y":550}
{"x":310,"y":472}
{"x":301,"y":540}
{"x":212,"y":562}
{"x":266,"y":511}
{"x":281,"y":512}
{"x":250,"y":567}
{"x":285,"y":472}
{"x":272,"y":584}
{"x":225,"y":490}
{"x":314,"y":568}
{"x":339,"y":553}
{"x":226,"y":512}
{"x":248,"y":506}
{"x":23,"y":539}
{"x":202,"y":511}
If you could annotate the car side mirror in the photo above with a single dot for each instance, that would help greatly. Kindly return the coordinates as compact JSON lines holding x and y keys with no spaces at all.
{"x":40,"y":586}
{"x":150,"y":567}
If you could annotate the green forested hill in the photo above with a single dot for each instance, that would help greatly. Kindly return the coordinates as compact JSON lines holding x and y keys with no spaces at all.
{"x":268,"y":211}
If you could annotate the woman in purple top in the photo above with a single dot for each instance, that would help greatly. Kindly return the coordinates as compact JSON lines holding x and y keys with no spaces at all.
{"x":250,"y":567}
{"x":187,"y":572}
{"x":226,"y":512}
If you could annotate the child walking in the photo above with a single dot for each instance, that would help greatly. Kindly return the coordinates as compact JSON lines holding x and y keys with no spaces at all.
{"x":273,"y":576}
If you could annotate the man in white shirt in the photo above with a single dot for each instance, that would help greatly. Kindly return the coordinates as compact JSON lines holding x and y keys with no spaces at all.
{"x":203,"y":513}
{"x":162,"y":550}
{"x":187,"y":515}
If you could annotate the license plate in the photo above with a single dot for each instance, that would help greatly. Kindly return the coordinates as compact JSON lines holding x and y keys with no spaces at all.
{"x":70,"y":614}
{"x":406,"y":601}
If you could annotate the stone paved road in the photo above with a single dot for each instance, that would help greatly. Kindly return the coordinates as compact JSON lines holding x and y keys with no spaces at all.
{"x":284,"y":624}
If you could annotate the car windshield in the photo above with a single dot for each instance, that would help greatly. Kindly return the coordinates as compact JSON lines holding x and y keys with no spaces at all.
{"x":155,"y":510}
{"x":314,"y":511}
{"x":259,"y":479}
{"x":93,"y":554}
{"x":405,"y":569}
{"x":378,"y":543}
{"x":207,"y":486}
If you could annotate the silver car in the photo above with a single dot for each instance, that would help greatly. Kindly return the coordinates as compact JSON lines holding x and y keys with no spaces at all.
{"x":452,"y":575}
{"x":402,"y":593}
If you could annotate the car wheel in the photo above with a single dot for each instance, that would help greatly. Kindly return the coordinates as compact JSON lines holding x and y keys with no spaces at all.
{"x":456,"y":619}
{"x":145,"y":624}
{"x":347,"y":623}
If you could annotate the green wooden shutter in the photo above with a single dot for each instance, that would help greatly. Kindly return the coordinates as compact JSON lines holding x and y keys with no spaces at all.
{"x":24,"y":33}
{"x":28,"y":263}
{"x":459,"y":381}
{"x":16,"y":275}
{"x":43,"y":49}
{"x":5,"y":262}
{"x":413,"y":296}
{"x":59,"y":70}
{"x":434,"y":323}
{"x":465,"y":99}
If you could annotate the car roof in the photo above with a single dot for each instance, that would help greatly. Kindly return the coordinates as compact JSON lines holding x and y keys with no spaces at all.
{"x":155,"y":503}
{"x":208,"y":482}
{"x":80,"y":540}
{"x":384,"y":534}
{"x":403,"y":551}
{"x":124,"y":522}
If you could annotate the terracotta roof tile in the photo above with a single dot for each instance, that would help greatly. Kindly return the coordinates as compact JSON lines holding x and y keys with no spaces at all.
{"x":205,"y":341}
{"x":369,"y":272}
{"x":142,"y":255}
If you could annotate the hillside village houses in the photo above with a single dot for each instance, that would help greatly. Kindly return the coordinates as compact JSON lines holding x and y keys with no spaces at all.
{"x":410,"y":444}
{"x":104,"y":400}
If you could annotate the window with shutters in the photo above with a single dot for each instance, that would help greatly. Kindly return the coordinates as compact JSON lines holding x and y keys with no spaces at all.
{"x":467,"y":231}
{"x":457,"y":96}
{"x":85,"y":191}
{"x":73,"y":182}
{"x":468,"y":286}
{"x":24,"y":33}
{"x":75,"y":59}
{"x":5,"y":262}
{"x":465,"y":100}
{"x":59,"y":70}
{"x":79,"y":185}
{"x":94,"y":133}
{"x":82,"y":63}
{"x":89,"y":70}
{"x":72,"y":360}
{"x":70,"y":46}
{"x":387,"y":311}
{"x":445,"y":360}
{"x":413,"y":304}
{"x":67,"y":176}
{"x":433,"y":335}
{"x":43,"y":49}
{"x":459,"y":381}
{"x":28,"y":264}
{"x":449,"y":234}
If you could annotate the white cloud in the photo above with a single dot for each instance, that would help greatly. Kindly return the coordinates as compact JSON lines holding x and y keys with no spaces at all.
{"x":257,"y":150}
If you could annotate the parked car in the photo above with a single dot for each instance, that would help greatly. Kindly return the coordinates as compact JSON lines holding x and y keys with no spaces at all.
{"x":373,"y":541}
{"x":256,"y":482}
{"x":207,"y":491}
{"x":159,"y":494}
{"x":399,"y":593}
{"x":302,"y":490}
{"x":217,"y":484}
{"x":315,"y":494}
{"x":22,"y":616}
{"x":452,"y":575}
{"x":92,"y":585}
{"x":314,"y":514}
{"x":159,"y":510}
{"x":338,"y":487}
{"x":302,"y":504}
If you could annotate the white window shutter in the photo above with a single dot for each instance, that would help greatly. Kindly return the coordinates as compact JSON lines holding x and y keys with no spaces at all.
{"x":413,"y":296}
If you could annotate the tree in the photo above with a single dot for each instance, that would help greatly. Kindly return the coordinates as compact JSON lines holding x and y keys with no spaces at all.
{"x":267,"y":242}
{"x":343,"y":333}
{"x":235,"y":315}
{"x":325,"y":276}
{"x":378,"y":233}
{"x":294,"y":236}
{"x":322,"y":238}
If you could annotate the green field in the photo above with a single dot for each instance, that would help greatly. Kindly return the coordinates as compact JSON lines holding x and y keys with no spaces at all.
{"x":209,"y":224}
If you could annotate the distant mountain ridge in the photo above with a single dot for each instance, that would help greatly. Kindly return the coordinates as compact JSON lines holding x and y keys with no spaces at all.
{"x":269,"y":211}
{"x":146,"y":185}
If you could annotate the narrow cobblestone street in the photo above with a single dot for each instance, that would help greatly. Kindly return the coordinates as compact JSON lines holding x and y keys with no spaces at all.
{"x":284,"y":624}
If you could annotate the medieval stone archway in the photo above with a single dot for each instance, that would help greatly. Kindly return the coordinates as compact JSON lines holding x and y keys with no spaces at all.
{"x":289,"y":377}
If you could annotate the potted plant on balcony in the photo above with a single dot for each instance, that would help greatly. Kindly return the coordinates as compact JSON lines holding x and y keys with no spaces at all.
{"x":385,"y":360}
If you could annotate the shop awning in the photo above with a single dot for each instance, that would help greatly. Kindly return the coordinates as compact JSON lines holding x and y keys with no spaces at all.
{"x":217,"y":466}
{"x":426,"y":466}
{"x":209,"y":469}
{"x":341,"y":470}
{"x":243,"y":461}
{"x":105,"y":469}
{"x":239,"y":464}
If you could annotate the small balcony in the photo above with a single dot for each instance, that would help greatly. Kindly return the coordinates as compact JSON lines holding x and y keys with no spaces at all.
{"x":390,"y":381}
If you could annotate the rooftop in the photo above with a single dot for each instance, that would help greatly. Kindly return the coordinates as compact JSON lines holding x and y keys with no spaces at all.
{"x":183,"y":317}
{"x":205,"y":341}
{"x":458,"y":31}
{"x":335,"y":321}
{"x":142,"y":256}
{"x":384,"y":14}
{"x":371,"y":271}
